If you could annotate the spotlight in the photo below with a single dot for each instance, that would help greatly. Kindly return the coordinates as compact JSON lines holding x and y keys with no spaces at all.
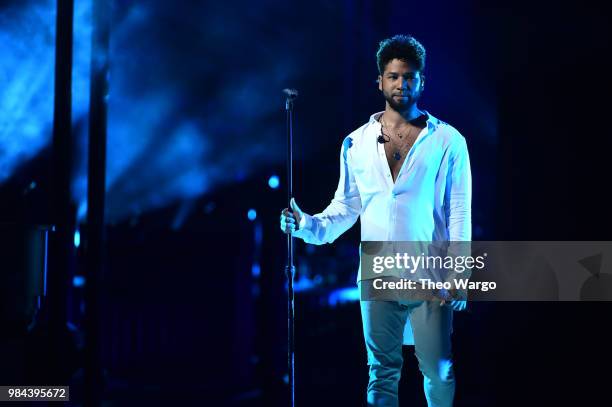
{"x":256,"y":270}
{"x":78,"y":281}
{"x":252,"y":214}
{"x":273,"y":181}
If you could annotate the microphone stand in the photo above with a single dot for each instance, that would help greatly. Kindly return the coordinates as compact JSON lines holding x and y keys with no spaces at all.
{"x":291,"y":94}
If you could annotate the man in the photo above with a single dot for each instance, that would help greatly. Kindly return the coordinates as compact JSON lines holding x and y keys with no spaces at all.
{"x":407,"y":175}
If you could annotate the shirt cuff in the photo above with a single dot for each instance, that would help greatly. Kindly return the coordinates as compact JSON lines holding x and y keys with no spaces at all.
{"x":305,"y":224}
{"x":304,"y":220}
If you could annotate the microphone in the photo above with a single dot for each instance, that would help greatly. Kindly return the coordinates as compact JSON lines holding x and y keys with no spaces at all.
{"x":291,"y":93}
{"x":381,"y":139}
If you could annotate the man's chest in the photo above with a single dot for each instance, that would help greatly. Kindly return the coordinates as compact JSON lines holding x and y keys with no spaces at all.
{"x":396,"y":154}
{"x":375,"y":167}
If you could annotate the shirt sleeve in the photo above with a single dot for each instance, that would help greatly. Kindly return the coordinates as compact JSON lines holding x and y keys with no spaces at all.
{"x":458,"y":194}
{"x":458,"y":204}
{"x":341,"y":213}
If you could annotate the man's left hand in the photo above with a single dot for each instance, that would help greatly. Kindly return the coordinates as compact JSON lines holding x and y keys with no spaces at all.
{"x":458,"y":305}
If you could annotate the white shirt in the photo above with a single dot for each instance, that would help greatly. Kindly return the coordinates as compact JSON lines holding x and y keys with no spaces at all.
{"x":429,"y":201}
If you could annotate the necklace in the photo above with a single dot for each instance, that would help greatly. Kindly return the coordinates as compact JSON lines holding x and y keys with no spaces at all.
{"x":397,"y":154}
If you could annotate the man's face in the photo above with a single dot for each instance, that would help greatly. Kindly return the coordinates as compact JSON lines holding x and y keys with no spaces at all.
{"x":401,"y":84}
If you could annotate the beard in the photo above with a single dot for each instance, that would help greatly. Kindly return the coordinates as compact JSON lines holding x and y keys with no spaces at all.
{"x":401,"y":104}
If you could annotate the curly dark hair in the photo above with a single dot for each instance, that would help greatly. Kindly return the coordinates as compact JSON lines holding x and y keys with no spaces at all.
{"x":403,"y":47}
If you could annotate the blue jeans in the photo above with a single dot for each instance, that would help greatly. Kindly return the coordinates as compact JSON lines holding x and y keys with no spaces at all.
{"x":383,"y":328}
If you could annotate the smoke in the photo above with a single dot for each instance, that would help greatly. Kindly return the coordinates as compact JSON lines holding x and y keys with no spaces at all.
{"x":195,"y":98}
{"x":27,"y":39}
{"x":190,"y":105}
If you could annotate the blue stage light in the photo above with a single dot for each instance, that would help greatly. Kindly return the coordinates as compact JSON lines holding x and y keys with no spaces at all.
{"x":256,"y":270}
{"x":77,"y":239}
{"x":252,"y":214}
{"x":78,"y":281}
{"x":274,"y":181}
{"x":343,"y":295}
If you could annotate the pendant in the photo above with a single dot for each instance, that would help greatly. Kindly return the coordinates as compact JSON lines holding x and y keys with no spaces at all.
{"x":397,"y":156}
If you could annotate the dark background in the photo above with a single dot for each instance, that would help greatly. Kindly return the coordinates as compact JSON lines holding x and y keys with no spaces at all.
{"x":193,"y":292}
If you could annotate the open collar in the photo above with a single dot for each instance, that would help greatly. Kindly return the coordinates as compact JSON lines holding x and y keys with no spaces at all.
{"x":432,"y":122}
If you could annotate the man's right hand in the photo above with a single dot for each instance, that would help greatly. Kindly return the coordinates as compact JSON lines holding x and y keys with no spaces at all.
{"x":290,"y":219}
